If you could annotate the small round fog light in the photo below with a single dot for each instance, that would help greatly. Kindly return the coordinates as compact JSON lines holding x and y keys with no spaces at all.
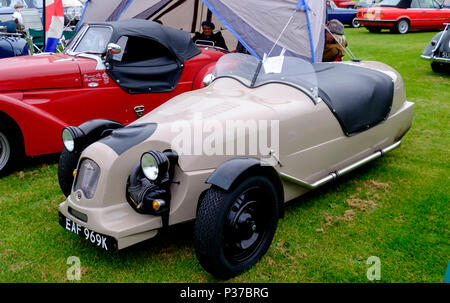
{"x":157,"y":204}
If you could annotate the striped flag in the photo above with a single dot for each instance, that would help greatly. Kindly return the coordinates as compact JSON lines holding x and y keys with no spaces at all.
{"x":54,"y":24}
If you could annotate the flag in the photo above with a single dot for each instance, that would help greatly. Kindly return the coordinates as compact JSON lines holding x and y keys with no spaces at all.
{"x":54,"y":24}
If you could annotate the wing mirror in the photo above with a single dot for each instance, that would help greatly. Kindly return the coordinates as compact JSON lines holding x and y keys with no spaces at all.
{"x":114,"y":49}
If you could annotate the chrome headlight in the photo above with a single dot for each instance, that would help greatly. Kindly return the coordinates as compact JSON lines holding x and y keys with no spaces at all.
{"x":154,"y":165}
{"x":72,"y":137}
{"x":208,"y":79}
{"x":87,"y":178}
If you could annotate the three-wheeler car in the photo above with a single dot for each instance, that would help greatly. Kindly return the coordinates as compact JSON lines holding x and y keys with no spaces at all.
{"x":230,"y":155}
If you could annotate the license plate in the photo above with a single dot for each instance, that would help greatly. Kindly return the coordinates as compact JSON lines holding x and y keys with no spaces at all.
{"x":445,"y":54}
{"x":105,"y":242}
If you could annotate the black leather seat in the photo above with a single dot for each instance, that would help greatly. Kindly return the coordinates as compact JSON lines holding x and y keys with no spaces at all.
{"x":359,"y":98}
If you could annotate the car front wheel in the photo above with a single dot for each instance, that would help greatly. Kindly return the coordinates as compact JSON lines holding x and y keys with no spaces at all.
{"x":438,"y":67}
{"x":402,"y":26}
{"x":355,"y":24}
{"x":235,"y":228}
{"x":10,"y":148}
{"x":67,"y":164}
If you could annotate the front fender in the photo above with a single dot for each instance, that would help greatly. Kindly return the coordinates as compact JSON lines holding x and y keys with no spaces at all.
{"x":41,"y":131}
{"x":198,"y":80}
{"x":231,"y":172}
{"x":428,"y":51}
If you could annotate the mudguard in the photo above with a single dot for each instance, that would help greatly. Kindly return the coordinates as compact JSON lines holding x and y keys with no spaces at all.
{"x":428,"y":51}
{"x":229,"y":173}
{"x":28,"y":118}
{"x":97,"y":129}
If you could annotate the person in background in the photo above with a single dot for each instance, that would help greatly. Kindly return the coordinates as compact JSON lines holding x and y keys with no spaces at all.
{"x":17,"y":16}
{"x":208,"y":35}
{"x":335,"y":42}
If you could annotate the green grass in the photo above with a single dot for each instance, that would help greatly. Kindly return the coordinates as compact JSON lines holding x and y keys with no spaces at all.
{"x":400,"y":208}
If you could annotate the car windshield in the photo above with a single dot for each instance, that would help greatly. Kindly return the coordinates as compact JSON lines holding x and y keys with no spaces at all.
{"x":389,"y":2}
{"x":248,"y":70}
{"x":332,"y":5}
{"x":90,"y":39}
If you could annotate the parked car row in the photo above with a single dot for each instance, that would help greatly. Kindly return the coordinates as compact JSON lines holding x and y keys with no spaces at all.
{"x":401,"y":16}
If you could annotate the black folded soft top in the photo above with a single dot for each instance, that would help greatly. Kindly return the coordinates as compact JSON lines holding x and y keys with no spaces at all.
{"x":178,"y":42}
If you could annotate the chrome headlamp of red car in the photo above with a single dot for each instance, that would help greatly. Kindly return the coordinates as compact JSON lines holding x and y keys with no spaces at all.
{"x":72,"y":138}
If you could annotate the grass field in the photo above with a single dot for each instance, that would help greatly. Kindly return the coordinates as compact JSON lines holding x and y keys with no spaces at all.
{"x":395,"y":208}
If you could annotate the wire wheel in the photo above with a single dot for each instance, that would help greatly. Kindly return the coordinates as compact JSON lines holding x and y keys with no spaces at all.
{"x":5,"y":151}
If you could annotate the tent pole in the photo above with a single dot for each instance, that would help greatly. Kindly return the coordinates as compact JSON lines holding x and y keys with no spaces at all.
{"x":305,"y":6}
{"x":45,"y":22}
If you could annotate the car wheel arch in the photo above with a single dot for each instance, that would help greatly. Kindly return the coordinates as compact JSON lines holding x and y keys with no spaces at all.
{"x":230,"y":173}
{"x":403,"y":18}
{"x":12,"y":133}
{"x":14,"y":124}
{"x":207,"y":68}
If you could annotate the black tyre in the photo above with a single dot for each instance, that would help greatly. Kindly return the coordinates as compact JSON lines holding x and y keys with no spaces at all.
{"x":402,"y":26}
{"x":235,"y":228}
{"x":67,"y":164}
{"x":373,"y":29}
{"x":354,"y":23}
{"x":439,"y":67}
{"x":11,"y":147}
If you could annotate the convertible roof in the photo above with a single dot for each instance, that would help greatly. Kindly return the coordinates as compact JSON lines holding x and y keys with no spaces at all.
{"x":177,"y":41}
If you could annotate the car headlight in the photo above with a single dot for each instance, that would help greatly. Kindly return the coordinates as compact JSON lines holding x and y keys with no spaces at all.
{"x":208,"y":79}
{"x":87,"y":178}
{"x":154,"y":165}
{"x":72,"y":137}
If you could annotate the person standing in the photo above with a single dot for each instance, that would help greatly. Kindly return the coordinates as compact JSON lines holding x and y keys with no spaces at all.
{"x":17,"y":16}
{"x":335,"y":42}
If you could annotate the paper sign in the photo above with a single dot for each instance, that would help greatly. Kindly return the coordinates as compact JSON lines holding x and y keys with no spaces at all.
{"x":274,"y":65}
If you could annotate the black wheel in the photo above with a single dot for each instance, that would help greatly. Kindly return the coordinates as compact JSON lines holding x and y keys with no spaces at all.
{"x":373,"y":29}
{"x":11,"y":147}
{"x":402,"y":26}
{"x":67,"y":164}
{"x":234,"y":228}
{"x":354,"y":23}
{"x":439,"y":67}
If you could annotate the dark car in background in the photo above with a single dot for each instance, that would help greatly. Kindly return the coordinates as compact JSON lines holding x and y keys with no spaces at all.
{"x":344,"y":15}
{"x":438,"y":51}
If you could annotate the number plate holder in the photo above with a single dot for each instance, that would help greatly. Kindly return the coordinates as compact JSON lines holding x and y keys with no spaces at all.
{"x":105,"y":242}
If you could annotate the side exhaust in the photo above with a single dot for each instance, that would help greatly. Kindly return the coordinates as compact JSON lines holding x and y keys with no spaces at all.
{"x":343,"y":171}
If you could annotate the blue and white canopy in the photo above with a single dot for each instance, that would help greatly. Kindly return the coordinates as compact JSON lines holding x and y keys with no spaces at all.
{"x":257,"y":24}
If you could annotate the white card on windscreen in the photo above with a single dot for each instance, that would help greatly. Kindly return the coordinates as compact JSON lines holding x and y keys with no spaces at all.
{"x":274,"y":65}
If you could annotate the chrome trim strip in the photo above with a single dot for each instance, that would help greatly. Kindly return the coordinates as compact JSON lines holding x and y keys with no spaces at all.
{"x":100,"y":64}
{"x":343,"y":171}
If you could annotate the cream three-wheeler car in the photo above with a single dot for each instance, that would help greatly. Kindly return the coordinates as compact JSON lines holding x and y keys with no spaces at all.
{"x":230,"y":155}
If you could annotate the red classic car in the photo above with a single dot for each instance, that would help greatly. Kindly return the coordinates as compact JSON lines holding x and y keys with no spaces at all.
{"x":113,"y":70}
{"x":400,"y":16}
{"x":345,"y":3}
